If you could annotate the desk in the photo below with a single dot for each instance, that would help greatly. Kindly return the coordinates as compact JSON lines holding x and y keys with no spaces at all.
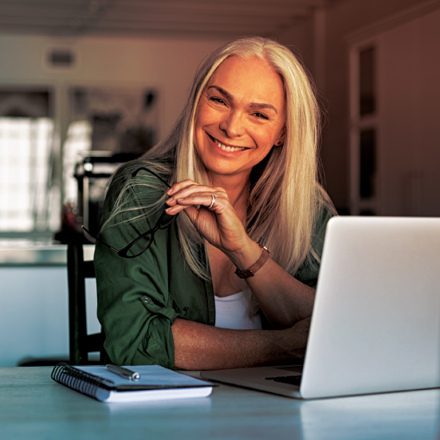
{"x":32,"y":406}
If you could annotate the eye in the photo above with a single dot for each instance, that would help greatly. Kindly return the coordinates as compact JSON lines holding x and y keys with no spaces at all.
{"x":261,"y":116}
{"x":217,"y":100}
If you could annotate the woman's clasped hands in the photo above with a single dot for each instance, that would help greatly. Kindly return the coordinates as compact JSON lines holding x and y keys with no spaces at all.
{"x":211,"y":212}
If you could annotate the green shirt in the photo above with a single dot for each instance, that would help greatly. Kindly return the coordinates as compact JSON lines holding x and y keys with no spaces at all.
{"x":140,"y":298}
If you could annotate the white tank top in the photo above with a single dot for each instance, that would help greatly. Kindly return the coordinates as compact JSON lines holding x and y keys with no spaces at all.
{"x":232,"y":312}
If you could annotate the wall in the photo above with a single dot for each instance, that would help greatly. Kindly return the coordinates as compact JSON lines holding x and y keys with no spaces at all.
{"x":344,"y":18}
{"x":166,"y":64}
{"x":341,"y":19}
{"x":170,"y":65}
{"x":408,"y":147}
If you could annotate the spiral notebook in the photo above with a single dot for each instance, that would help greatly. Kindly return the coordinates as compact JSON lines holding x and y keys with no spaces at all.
{"x":155,"y":383}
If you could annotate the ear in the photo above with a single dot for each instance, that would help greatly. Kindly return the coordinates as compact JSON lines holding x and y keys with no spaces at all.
{"x":281,"y":137}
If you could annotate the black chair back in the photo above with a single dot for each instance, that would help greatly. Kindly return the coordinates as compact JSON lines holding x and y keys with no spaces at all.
{"x":80,"y":342}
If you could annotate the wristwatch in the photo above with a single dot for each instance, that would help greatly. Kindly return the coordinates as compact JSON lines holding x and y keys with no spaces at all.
{"x":250,"y":272}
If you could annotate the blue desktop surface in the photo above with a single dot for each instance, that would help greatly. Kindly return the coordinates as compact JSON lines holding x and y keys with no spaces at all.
{"x":33,"y":406}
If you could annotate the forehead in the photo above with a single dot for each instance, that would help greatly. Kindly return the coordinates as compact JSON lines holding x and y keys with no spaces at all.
{"x":253,"y":77}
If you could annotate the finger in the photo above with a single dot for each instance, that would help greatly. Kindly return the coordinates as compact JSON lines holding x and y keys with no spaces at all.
{"x":207,"y":200}
{"x":185,"y":190}
{"x":193,"y":197}
{"x":211,"y":201}
{"x":173,"y":210}
{"x":181,"y":190}
{"x":194,"y":189}
{"x":190,"y":210}
{"x":180,"y":185}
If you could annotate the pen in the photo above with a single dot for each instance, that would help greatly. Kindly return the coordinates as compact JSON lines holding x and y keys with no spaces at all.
{"x":123,"y":372}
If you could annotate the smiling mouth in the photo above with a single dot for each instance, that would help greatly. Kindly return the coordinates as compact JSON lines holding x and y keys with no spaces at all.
{"x":226,"y":148}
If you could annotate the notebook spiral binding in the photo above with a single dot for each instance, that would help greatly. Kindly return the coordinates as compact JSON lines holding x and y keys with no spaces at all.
{"x":79,"y":380}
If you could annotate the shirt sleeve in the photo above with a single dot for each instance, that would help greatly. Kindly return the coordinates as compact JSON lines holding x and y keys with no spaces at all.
{"x":135,"y":308}
{"x":309,"y":270}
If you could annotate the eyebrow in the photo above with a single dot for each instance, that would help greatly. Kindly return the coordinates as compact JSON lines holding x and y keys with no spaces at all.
{"x":253,"y":105}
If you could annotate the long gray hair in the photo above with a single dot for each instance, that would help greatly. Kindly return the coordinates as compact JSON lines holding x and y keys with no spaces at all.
{"x":284,"y":189}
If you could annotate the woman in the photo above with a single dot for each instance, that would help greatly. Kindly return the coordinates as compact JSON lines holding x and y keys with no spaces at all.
{"x":237,"y":177}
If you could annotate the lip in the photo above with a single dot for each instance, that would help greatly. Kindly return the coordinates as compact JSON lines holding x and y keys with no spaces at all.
{"x":214,"y":141}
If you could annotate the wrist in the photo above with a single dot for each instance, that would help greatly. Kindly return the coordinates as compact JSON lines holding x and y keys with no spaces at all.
{"x":245,"y":255}
{"x":251,"y":270}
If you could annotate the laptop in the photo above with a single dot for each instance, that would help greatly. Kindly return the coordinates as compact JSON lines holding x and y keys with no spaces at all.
{"x":376,"y":320}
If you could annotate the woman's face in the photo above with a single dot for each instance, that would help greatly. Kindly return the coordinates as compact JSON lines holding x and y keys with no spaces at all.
{"x":240,"y":116}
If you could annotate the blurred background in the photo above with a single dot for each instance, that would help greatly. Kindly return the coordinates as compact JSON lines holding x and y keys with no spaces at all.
{"x":88,"y":84}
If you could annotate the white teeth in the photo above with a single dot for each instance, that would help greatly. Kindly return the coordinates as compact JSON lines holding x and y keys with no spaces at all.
{"x":226,"y":147}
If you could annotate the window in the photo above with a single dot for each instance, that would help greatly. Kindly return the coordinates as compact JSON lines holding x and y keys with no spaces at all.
{"x":29,"y":201}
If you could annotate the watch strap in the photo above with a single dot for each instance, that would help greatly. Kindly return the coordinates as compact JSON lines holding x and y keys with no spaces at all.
{"x":252,"y":270}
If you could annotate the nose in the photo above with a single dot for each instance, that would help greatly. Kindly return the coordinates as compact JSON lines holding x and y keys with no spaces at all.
{"x":233,"y":124}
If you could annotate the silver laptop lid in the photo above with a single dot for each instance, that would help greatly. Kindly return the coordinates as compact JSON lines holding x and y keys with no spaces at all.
{"x":376,"y":319}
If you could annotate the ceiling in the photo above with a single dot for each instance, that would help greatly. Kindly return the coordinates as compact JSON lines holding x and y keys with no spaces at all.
{"x":222,"y":19}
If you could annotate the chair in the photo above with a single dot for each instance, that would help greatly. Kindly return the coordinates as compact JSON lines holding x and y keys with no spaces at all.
{"x":80,"y":342}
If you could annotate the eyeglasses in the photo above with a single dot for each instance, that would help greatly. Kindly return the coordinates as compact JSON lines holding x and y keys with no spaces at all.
{"x":141,"y":243}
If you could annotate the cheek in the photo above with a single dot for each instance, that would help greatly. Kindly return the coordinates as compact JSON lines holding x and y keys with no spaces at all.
{"x":199,"y":134}
{"x":207,"y":115}
{"x":199,"y":123}
{"x":203,"y":114}
{"x":199,"y":115}
{"x":197,"y":120}
{"x":268,"y":138}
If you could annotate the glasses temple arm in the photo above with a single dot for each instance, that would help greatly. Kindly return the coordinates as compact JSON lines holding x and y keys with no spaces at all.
{"x":94,"y":239}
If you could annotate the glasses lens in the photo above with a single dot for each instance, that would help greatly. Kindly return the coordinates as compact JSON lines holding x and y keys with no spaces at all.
{"x":138,"y":246}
